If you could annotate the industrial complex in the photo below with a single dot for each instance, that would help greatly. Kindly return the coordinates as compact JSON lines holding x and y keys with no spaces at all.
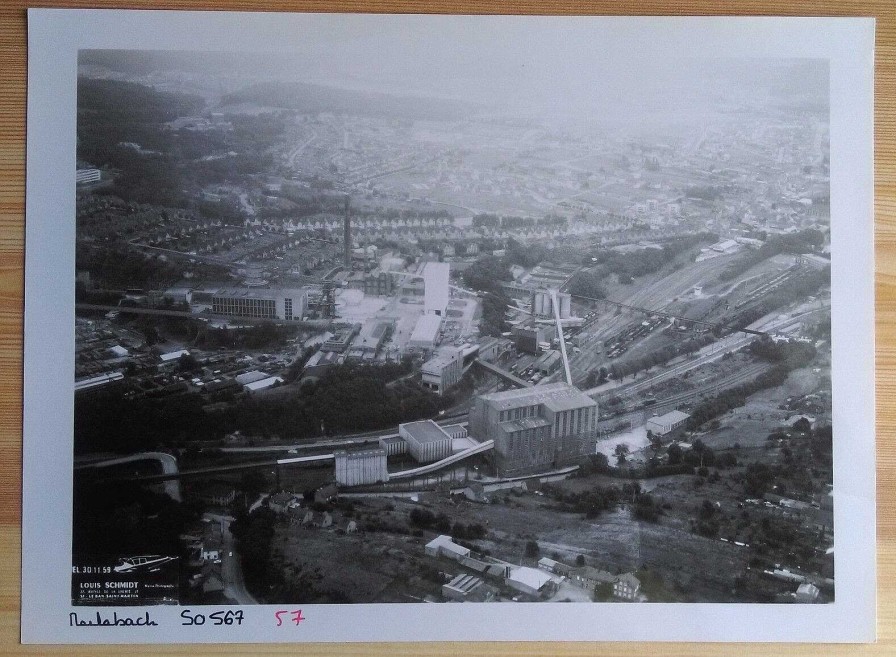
{"x":420,"y":354}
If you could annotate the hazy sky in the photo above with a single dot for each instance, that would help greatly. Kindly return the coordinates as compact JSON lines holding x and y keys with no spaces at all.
{"x":560,"y":68}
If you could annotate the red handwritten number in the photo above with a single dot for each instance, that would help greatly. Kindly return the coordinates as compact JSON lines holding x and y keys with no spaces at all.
{"x":296,"y":616}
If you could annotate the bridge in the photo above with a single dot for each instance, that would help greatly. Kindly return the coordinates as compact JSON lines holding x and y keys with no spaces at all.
{"x":555,"y":302}
{"x":502,"y":373}
{"x":438,"y":465}
{"x":306,"y":459}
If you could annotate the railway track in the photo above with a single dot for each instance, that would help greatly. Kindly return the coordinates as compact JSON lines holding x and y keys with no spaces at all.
{"x":668,"y":403}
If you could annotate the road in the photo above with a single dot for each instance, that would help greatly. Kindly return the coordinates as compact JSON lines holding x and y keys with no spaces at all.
{"x":231,"y":569}
{"x":168,"y":462}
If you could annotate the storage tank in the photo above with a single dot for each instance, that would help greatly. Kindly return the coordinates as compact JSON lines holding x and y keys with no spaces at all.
{"x":542,"y":304}
{"x":565,"y":305}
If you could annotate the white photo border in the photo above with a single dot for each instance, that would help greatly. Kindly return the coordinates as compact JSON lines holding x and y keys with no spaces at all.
{"x":54,"y":39}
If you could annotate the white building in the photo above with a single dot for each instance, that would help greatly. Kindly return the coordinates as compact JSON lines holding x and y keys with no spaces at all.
{"x":426,"y":440}
{"x":425,"y":333}
{"x":443,"y":546}
{"x":358,"y":468}
{"x":442,"y":371}
{"x":264,"y":303}
{"x":436,"y":292}
{"x":664,"y":424}
{"x":531,"y":581}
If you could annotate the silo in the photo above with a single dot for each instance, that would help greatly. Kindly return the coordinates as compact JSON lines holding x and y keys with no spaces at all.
{"x":565,"y":306}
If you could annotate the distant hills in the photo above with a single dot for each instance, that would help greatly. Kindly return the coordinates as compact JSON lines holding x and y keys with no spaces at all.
{"x":312,"y":98}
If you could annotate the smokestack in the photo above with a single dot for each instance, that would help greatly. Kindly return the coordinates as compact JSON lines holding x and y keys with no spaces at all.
{"x":347,"y":229}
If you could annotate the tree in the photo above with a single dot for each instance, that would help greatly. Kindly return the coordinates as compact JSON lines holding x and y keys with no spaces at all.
{"x":188,"y":363}
{"x":674,"y":453}
{"x":580,"y":560}
{"x":621,"y":451}
{"x":532,"y":550}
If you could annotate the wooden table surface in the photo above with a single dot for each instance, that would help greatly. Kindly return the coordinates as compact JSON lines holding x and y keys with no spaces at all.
{"x":12,"y":219}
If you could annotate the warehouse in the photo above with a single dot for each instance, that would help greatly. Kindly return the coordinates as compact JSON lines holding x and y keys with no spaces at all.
{"x":549,"y":362}
{"x":442,"y":371}
{"x":264,"y":303}
{"x":662,"y":425}
{"x":465,"y":588}
{"x":443,"y":546}
{"x":425,"y":333}
{"x":530,"y":581}
{"x":426,"y":440}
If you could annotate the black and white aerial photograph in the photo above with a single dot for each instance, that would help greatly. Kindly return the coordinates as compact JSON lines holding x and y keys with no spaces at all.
{"x":462,"y":321}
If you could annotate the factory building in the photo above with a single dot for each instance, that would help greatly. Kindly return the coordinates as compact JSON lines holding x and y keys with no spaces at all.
{"x":456,"y":431}
{"x":261,"y":303}
{"x":492,"y":350}
{"x":543,"y":304}
{"x":379,"y":283}
{"x":535,"y":429}
{"x":394,"y":445}
{"x":666,"y":424}
{"x":426,"y":440}
{"x":464,"y":588}
{"x":364,"y":467}
{"x":425,"y":333}
{"x":549,"y":362}
{"x":528,"y":338}
{"x":443,"y":371}
{"x":371,"y":339}
{"x":436,"y":292}
{"x":443,"y":546}
{"x":530,"y":581}
{"x":340,"y":340}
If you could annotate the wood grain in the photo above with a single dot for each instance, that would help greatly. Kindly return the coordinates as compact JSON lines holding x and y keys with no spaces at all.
{"x":12,"y":207}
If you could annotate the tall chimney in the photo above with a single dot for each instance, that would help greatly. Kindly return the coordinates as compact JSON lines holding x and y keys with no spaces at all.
{"x":347,"y":229}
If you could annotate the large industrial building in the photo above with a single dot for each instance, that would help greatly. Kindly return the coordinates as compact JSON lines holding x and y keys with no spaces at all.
{"x":543,"y":305}
{"x":436,"y":291}
{"x":261,"y":303}
{"x":426,"y":333}
{"x":529,"y":338}
{"x":666,"y":424}
{"x":370,"y":339}
{"x":443,"y":371}
{"x":535,"y":429}
{"x":426,"y":440}
{"x":363,"y":467}
{"x":379,"y":283}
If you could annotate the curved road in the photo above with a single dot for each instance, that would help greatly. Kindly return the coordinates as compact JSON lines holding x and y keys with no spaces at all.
{"x":169,"y":467}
